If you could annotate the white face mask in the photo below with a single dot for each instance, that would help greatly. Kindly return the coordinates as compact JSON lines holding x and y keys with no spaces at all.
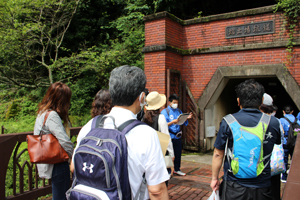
{"x":273,"y":114}
{"x":174,"y":106}
{"x":142,"y":104}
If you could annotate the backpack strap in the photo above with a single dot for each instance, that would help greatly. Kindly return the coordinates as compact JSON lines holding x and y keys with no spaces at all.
{"x":142,"y":190}
{"x":288,"y":120}
{"x":130,"y":124}
{"x":125,"y":128}
{"x":229,"y":155}
{"x":168,"y":111}
{"x":96,"y":121}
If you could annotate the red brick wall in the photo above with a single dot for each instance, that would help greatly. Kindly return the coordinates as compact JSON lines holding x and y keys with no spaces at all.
{"x":212,"y":34}
{"x":197,"y":70}
{"x":174,"y":34}
{"x":155,"y":32}
{"x":155,"y":71}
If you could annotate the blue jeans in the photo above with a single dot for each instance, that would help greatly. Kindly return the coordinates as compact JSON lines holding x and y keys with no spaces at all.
{"x":177,"y":146}
{"x":60,"y":180}
{"x":287,"y":151}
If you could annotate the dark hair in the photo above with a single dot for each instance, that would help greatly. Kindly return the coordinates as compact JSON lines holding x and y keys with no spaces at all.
{"x":250,"y":93}
{"x":126,"y":83}
{"x":288,"y":109}
{"x":149,"y":115}
{"x":146,"y":91}
{"x":173,"y":97}
{"x":57,"y":98}
{"x":266,"y":109}
{"x":275,"y":108}
{"x":102,"y":103}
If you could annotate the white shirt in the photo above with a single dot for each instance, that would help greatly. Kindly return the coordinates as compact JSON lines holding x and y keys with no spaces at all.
{"x":164,"y":128}
{"x":144,"y":151}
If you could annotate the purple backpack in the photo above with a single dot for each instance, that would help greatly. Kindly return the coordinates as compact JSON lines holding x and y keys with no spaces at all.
{"x":100,"y":164}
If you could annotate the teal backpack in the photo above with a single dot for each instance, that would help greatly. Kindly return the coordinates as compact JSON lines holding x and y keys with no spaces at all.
{"x":246,"y":158}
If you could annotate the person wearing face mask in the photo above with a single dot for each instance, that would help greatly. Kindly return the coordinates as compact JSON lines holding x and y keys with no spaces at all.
{"x":126,"y":88}
{"x":141,"y":114}
{"x":171,"y":114}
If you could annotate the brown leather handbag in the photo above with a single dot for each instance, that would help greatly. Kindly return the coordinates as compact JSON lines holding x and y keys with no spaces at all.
{"x":45,"y":148}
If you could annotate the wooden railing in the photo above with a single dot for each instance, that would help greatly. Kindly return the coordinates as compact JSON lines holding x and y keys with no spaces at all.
{"x":292,"y":186}
{"x":9,"y":149}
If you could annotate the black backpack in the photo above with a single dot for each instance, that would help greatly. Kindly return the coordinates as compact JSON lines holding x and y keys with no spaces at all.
{"x":294,"y":129}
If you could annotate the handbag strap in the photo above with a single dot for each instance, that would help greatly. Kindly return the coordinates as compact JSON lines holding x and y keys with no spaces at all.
{"x":46,"y":116}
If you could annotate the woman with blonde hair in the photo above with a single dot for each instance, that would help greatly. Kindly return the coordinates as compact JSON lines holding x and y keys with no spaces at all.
{"x":56,"y":104}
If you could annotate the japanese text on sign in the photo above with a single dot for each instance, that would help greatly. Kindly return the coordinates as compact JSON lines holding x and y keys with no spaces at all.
{"x":259,"y":28}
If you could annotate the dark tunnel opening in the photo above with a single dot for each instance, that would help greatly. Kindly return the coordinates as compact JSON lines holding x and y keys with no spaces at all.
{"x":272,"y":86}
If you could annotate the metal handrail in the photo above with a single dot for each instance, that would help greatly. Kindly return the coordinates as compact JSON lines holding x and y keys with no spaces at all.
{"x":9,"y":146}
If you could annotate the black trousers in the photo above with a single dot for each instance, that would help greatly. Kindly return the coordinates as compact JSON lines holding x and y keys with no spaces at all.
{"x":275,"y":187}
{"x":177,"y":146}
{"x":234,"y":191}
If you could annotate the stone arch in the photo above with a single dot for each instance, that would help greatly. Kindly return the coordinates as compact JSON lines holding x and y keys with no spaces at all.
{"x":220,"y":79}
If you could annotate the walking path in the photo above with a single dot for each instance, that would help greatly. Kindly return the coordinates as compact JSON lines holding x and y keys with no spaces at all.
{"x":196,"y":184}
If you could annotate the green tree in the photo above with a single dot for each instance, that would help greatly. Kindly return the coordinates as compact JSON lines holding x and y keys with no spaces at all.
{"x":31,"y":35}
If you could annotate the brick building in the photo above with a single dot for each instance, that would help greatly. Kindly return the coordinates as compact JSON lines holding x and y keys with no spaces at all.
{"x":203,"y":59}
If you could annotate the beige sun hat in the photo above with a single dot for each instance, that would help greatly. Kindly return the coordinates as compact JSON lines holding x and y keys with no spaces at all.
{"x":155,"y":101}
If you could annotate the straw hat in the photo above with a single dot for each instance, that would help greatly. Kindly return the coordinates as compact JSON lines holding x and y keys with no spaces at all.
{"x":155,"y":101}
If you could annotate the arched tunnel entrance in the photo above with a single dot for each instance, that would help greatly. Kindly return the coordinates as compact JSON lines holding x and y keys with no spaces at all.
{"x":219,"y":97}
{"x":272,"y":86}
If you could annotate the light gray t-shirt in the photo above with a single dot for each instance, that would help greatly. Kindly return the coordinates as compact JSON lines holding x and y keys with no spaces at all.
{"x":53,"y":125}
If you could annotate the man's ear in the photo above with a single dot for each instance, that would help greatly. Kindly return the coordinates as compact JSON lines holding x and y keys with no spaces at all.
{"x":292,"y":112}
{"x":238,"y":101}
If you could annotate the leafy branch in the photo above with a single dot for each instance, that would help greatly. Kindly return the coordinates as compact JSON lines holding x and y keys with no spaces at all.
{"x":291,"y":10}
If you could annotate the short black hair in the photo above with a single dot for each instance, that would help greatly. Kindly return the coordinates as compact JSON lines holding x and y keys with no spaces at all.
{"x":250,"y":93}
{"x":173,"y":97}
{"x":126,"y":83}
{"x":266,"y":109}
{"x":288,"y":109}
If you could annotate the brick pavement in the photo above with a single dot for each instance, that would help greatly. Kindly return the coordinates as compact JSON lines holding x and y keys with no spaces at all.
{"x":195,"y":185}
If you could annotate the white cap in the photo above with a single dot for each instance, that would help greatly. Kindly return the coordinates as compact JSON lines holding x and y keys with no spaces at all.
{"x":268,"y":101}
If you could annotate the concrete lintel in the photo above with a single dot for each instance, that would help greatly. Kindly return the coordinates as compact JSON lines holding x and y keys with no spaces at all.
{"x":210,"y":93}
{"x":241,"y":13}
{"x":245,"y":47}
{"x":162,"y":47}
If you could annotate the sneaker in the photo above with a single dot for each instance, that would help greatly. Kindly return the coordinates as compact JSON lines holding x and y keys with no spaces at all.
{"x":283,"y":181}
{"x":179,"y":173}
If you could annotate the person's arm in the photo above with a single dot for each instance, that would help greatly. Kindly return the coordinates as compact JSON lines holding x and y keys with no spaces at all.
{"x":216,"y":166}
{"x":158,"y":192}
{"x":164,"y":112}
{"x":56,"y":127}
{"x":72,"y":166}
{"x":173,"y":122}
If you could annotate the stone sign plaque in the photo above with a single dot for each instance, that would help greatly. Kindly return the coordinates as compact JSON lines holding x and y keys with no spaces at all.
{"x":253,"y":29}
